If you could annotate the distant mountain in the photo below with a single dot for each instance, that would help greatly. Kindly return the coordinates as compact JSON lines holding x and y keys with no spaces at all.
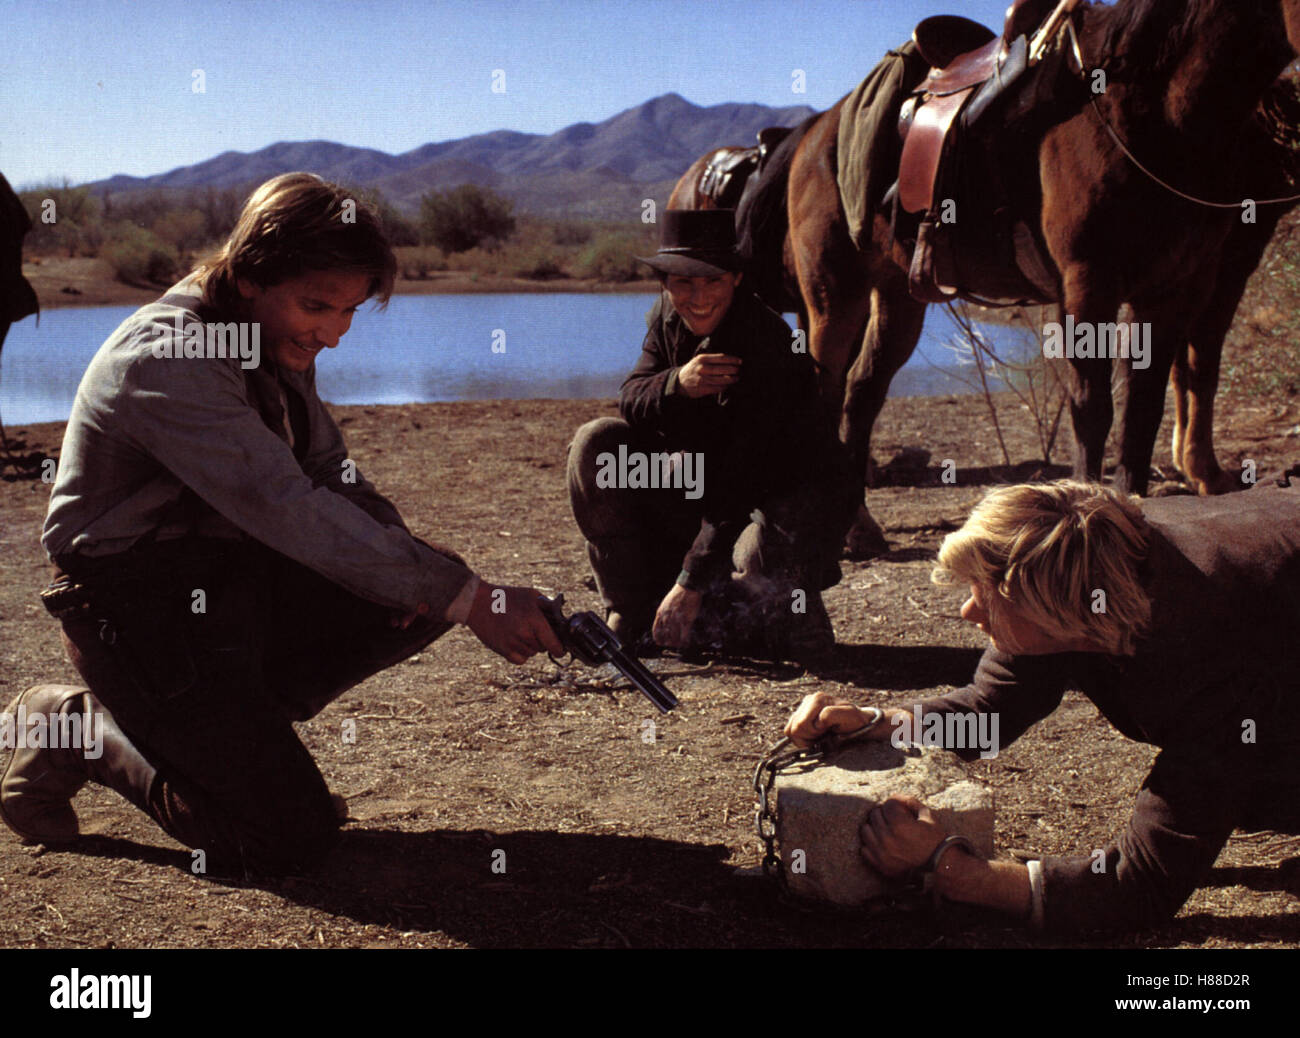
{"x":587,"y":169}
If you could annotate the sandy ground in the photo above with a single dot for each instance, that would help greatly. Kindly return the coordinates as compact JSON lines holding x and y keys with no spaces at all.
{"x":609,"y":841}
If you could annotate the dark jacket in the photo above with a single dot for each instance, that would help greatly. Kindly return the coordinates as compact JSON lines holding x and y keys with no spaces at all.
{"x":1215,"y":685}
{"x":763,"y":438}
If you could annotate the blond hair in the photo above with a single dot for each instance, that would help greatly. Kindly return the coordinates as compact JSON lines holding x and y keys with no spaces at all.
{"x":1066,"y":555}
{"x":294,"y":224}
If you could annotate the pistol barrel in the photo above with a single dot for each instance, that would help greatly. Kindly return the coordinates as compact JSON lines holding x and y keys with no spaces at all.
{"x":588,"y":638}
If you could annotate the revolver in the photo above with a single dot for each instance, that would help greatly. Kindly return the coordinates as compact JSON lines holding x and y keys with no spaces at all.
{"x":588,"y":638}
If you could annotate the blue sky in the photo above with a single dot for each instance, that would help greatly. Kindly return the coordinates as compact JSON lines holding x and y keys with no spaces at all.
{"x":97,"y":87}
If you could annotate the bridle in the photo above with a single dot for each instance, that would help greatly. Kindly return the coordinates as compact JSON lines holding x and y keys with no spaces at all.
{"x":1128,"y":153}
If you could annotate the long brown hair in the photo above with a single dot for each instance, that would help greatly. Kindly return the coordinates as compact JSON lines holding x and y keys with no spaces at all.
{"x":293,"y":224}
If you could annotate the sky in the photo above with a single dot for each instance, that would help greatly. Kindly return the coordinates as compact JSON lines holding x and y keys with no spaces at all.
{"x":91,"y":88}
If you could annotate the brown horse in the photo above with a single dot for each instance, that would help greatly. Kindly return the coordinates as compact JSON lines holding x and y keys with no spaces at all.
{"x":718,"y":178}
{"x":1184,"y":80}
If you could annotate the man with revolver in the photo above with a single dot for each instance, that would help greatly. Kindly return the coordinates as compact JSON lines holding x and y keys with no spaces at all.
{"x":722,"y":391}
{"x":221,"y":568}
{"x":1177,"y":617}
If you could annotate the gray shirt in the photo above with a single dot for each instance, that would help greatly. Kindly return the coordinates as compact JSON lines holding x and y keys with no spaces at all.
{"x":145,"y":427}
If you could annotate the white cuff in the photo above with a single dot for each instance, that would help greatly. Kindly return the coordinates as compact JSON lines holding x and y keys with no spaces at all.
{"x":458,"y":611}
{"x":1035,"y":894}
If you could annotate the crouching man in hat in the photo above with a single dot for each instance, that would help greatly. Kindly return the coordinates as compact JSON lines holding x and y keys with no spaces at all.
{"x":715,"y":507}
{"x":222,"y":569}
{"x":1177,"y":617}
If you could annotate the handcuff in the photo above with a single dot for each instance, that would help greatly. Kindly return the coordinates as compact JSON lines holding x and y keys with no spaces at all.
{"x":924,"y":878}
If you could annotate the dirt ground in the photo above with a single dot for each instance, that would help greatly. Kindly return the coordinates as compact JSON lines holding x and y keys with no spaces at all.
{"x":609,"y":841}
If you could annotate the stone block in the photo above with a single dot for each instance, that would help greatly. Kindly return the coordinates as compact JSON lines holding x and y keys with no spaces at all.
{"x":820,"y":805}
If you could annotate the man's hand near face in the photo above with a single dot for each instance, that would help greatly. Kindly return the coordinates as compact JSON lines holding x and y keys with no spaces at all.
{"x":707,"y":374}
{"x":676,"y":616}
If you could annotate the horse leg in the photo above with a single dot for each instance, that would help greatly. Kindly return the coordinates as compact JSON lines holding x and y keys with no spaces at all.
{"x":1091,"y":407}
{"x":1199,"y":463}
{"x":1194,"y":451}
{"x":835,"y":325}
{"x":835,"y":280}
{"x":1178,"y":377}
{"x":1144,"y":404}
{"x":889,"y":339}
{"x":833,"y":329}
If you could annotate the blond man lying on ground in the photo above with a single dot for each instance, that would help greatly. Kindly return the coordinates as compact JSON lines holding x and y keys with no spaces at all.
{"x":1179,"y":618}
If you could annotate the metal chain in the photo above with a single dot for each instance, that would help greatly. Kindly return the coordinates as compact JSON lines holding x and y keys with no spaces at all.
{"x":777,"y":759}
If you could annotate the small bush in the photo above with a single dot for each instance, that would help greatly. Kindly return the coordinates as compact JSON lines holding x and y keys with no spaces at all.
{"x":536,"y":262}
{"x":465,"y":217}
{"x":612,"y":257}
{"x":571,"y":233}
{"x":415,"y":263}
{"x":138,"y":257}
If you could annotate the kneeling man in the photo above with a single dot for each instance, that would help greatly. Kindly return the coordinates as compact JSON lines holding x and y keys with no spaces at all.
{"x":222,"y":570}
{"x":719,"y":500}
{"x":1177,"y":617}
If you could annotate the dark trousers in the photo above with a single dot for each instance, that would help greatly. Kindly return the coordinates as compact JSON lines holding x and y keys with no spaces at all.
{"x":205,"y":652}
{"x":637,"y":538}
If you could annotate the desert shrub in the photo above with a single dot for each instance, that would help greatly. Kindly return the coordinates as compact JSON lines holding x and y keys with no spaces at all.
{"x":611,"y":257}
{"x":182,"y":228}
{"x":76,"y":226}
{"x":570,"y":232}
{"x":397,"y":228}
{"x":138,"y":256}
{"x":465,"y":217}
{"x":535,"y":261}
{"x":415,"y":262}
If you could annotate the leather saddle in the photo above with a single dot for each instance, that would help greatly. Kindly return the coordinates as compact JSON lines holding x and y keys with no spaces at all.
{"x":965,"y":57}
{"x":976,"y":86}
{"x":731,"y":169}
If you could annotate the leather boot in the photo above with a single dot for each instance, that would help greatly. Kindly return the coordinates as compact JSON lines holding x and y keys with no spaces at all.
{"x":39,"y":783}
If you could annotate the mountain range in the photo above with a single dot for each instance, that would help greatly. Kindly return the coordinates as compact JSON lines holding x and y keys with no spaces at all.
{"x":594,"y":170}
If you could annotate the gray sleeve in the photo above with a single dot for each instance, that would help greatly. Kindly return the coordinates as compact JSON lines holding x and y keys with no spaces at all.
{"x":195,"y":418}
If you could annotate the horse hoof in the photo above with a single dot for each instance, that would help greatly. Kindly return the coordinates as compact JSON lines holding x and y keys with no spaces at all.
{"x":865,"y":539}
{"x":1219,"y":483}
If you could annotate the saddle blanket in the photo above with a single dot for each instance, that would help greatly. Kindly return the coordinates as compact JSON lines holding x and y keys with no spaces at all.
{"x":868,"y":147}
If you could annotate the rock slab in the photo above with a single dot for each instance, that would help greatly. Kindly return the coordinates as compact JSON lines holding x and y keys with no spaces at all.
{"x":821,"y":804}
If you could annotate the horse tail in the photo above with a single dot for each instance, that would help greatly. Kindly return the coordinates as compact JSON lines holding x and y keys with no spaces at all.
{"x":762,"y":221}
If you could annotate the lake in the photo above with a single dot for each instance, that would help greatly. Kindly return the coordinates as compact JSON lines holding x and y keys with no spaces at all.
{"x":441,"y":347}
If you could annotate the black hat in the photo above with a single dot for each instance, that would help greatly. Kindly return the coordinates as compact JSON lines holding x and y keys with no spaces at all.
{"x":696,"y":243}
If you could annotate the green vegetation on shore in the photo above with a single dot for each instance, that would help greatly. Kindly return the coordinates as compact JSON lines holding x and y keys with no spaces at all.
{"x":149,"y":238}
